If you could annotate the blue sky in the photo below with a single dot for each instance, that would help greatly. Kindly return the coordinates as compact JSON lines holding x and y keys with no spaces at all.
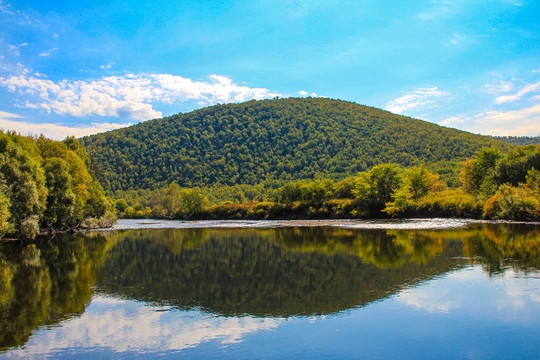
{"x":80,"y":67}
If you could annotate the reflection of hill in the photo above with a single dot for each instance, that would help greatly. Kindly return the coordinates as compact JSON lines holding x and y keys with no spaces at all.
{"x":45,"y":284}
{"x":271,"y":272}
{"x":262,"y":272}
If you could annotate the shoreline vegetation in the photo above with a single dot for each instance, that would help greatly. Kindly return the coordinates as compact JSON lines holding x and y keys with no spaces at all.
{"x":49,"y":186}
{"x":492,"y":185}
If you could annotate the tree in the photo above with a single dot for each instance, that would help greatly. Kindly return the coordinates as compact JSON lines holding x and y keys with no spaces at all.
{"x":20,"y":166}
{"x":60,"y":199}
{"x":170,"y":200}
{"x":513,"y":168}
{"x":192,"y":202}
{"x":375,"y":187}
{"x":420,"y":181}
{"x":5,"y":215}
{"x":477,"y":174}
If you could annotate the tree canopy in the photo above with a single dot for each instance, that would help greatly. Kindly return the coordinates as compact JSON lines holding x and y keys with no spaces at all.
{"x":272,"y":140}
{"x":45,"y":183}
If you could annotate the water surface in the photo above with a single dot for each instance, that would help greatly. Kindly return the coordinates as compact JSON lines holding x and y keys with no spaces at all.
{"x":320,"y":291}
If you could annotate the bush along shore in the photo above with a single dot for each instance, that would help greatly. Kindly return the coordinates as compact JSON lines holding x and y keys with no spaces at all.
{"x":46,"y":185}
{"x":492,"y":185}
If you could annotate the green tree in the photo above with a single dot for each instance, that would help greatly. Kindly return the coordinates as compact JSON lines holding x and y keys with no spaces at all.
{"x":20,"y":166}
{"x":5,"y":215}
{"x":375,"y":188}
{"x":192,"y":202}
{"x":513,"y":168}
{"x":60,"y":199}
{"x":170,"y":200}
{"x":477,"y":174}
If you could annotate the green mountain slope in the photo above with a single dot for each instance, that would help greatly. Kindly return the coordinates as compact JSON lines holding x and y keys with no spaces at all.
{"x":519,"y":140}
{"x":279,"y":139}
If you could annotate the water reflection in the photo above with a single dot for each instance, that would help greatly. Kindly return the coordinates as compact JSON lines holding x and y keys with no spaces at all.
{"x":274,"y":272}
{"x":46,"y":282}
{"x":242,"y":280}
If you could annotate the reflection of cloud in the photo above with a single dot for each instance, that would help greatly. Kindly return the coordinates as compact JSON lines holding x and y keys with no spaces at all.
{"x":428,"y":299}
{"x":128,"y":96}
{"x":472,"y":292}
{"x":122,"y":325}
{"x":519,"y":295}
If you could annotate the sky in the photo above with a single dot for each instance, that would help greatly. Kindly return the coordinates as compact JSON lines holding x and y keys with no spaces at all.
{"x":83,"y":67}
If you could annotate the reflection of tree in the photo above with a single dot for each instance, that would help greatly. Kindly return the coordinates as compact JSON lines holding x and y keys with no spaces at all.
{"x":501,"y":246}
{"x":385,"y":249}
{"x":279,"y":272}
{"x":46,"y":282}
{"x":263,"y":272}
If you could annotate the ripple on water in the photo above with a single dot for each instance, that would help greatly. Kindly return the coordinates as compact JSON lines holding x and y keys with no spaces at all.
{"x":404,"y":224}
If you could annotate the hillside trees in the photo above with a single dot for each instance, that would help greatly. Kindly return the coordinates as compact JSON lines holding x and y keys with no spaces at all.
{"x":283,"y":140}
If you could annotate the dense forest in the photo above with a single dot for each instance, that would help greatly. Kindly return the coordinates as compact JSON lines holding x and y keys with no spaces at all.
{"x":46,"y":183}
{"x":519,"y":140}
{"x":493,"y":185}
{"x":275,"y":140}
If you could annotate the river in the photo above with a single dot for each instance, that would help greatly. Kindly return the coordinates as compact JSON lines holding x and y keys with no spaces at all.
{"x":414,"y":289}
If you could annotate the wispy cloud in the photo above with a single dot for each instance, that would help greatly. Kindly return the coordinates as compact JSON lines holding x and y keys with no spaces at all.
{"x":420,"y":98}
{"x":525,"y":121}
{"x":130,"y":96}
{"x":526,"y":90}
{"x":52,"y":131}
{"x":499,"y":87}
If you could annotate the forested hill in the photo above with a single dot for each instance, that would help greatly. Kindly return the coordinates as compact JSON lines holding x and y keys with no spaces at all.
{"x":519,"y":140}
{"x":279,"y":139}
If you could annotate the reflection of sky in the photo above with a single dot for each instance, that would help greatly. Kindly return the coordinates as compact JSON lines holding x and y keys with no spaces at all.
{"x":510,"y":295}
{"x":125,"y":326}
{"x":462,"y":314}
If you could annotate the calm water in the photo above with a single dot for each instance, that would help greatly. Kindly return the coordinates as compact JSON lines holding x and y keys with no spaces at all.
{"x":332,"y":291}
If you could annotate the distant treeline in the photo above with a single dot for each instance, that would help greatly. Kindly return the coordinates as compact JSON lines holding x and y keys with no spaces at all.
{"x":519,"y":140}
{"x":46,"y":183}
{"x":492,"y":185}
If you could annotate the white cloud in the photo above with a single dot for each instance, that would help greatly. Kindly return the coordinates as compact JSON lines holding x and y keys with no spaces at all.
{"x":303,"y":93}
{"x":52,"y":131}
{"x":420,"y":98}
{"x":510,"y":98}
{"x":525,"y":121}
{"x":130,"y":96}
{"x":14,"y":49}
{"x":498,"y":87}
{"x":456,"y":39}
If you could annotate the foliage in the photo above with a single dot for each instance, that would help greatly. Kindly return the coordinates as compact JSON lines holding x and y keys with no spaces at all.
{"x":375,"y":188}
{"x":519,"y":140}
{"x":417,"y":182}
{"x":516,"y":203}
{"x":513,"y":168}
{"x":45,"y":183}
{"x":271,"y":140}
{"x":5,"y":204}
{"x":477,"y":174}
